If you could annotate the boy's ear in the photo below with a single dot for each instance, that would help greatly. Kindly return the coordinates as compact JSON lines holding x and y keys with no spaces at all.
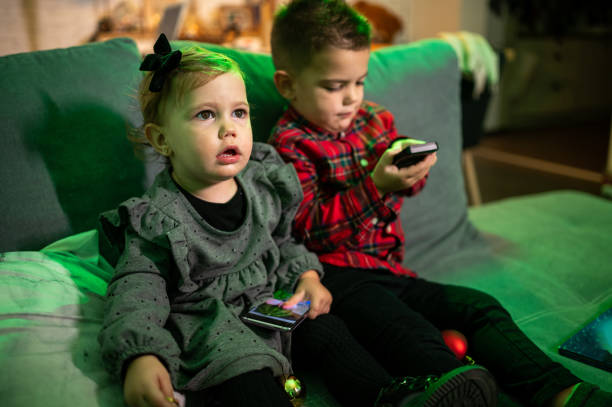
{"x":284,"y":84}
{"x":154,"y":134}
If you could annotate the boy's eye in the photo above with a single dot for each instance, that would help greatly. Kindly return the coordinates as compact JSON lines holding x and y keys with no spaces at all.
{"x":205,"y":115}
{"x":333,"y":88}
{"x":360,"y":83}
{"x":241,"y":113}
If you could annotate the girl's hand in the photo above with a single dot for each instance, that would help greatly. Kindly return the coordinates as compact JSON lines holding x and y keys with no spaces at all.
{"x":147,"y":384}
{"x":310,"y":288}
{"x":388,"y":178}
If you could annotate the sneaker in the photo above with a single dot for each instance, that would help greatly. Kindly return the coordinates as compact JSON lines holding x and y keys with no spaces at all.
{"x":589,"y":395}
{"x":466,"y":386}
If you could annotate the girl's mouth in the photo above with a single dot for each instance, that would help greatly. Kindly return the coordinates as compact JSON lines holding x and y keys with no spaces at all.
{"x":230,"y":155}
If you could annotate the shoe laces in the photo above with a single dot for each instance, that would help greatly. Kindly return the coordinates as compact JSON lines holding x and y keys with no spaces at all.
{"x":415,"y":383}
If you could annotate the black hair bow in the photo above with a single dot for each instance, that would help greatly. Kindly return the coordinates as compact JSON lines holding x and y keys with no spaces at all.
{"x":163,"y":61}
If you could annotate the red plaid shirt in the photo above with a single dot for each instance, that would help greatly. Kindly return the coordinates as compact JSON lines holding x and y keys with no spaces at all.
{"x":342,"y":217}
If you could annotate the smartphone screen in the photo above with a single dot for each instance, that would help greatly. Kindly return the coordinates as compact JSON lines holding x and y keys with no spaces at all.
{"x":270,"y":314}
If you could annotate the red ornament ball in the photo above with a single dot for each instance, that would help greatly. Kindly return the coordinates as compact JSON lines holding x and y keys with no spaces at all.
{"x":456,"y":342}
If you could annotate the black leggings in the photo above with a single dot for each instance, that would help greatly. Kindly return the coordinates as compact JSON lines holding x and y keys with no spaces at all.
{"x":382,"y":327}
{"x":251,"y":389}
{"x":399,"y":321}
{"x":325,"y":347}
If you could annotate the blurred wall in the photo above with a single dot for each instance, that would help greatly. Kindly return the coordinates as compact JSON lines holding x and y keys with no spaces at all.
{"x":44,"y":24}
{"x":549,"y":82}
{"x":426,"y":18}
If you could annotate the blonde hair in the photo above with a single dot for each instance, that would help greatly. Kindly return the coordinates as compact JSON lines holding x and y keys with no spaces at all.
{"x":198,"y":67}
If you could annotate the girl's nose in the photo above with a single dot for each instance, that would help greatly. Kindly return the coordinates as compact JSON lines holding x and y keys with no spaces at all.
{"x":227,"y":132}
{"x":227,"y":129}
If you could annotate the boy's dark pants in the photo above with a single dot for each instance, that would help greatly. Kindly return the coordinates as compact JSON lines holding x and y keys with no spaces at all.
{"x":399,"y":319}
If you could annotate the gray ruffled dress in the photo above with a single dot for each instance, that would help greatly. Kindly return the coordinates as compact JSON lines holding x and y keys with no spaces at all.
{"x":180,"y":284}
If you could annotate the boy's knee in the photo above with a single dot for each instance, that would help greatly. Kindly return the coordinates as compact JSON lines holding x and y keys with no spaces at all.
{"x":487,"y":301}
{"x":481,"y":303}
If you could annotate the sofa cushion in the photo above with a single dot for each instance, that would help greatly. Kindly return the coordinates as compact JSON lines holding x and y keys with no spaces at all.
{"x":65,"y":156}
{"x":547,"y":261}
{"x":51,"y":309}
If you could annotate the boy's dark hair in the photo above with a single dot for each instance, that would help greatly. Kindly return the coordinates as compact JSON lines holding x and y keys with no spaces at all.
{"x":304,"y":27}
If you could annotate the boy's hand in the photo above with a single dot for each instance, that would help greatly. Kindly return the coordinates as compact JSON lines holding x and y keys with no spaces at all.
{"x":310,"y":288}
{"x":147,"y":384}
{"x":388,"y":178}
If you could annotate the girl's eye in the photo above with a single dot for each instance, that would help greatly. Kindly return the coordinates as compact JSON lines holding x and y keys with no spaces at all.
{"x":205,"y":115}
{"x":360,"y":83}
{"x":241,"y":113}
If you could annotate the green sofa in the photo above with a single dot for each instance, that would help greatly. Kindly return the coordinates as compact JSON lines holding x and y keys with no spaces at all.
{"x":65,"y":158}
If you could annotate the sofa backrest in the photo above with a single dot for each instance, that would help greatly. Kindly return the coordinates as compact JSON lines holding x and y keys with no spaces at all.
{"x":66,"y":157}
{"x":420,"y":84}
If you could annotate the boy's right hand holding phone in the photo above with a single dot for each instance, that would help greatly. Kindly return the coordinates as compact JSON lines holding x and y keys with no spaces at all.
{"x":388,"y":177}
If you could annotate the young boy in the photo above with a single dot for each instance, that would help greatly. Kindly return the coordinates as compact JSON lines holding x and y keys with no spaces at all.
{"x":342,"y":148}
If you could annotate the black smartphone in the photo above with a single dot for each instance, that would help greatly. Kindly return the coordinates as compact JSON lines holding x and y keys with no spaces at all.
{"x":414,"y":153}
{"x":271,"y":314}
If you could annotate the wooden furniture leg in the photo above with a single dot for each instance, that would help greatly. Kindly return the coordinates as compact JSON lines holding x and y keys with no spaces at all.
{"x":471,"y":179}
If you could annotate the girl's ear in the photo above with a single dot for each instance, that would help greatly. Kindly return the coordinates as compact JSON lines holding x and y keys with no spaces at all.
{"x":284,"y":84}
{"x":154,"y":134}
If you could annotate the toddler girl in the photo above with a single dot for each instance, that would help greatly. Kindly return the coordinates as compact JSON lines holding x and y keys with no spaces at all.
{"x":208,"y":240}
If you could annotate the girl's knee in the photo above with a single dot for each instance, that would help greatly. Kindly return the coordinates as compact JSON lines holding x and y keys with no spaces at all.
{"x":324,"y":336}
{"x":329,"y":325}
{"x":324,"y":330}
